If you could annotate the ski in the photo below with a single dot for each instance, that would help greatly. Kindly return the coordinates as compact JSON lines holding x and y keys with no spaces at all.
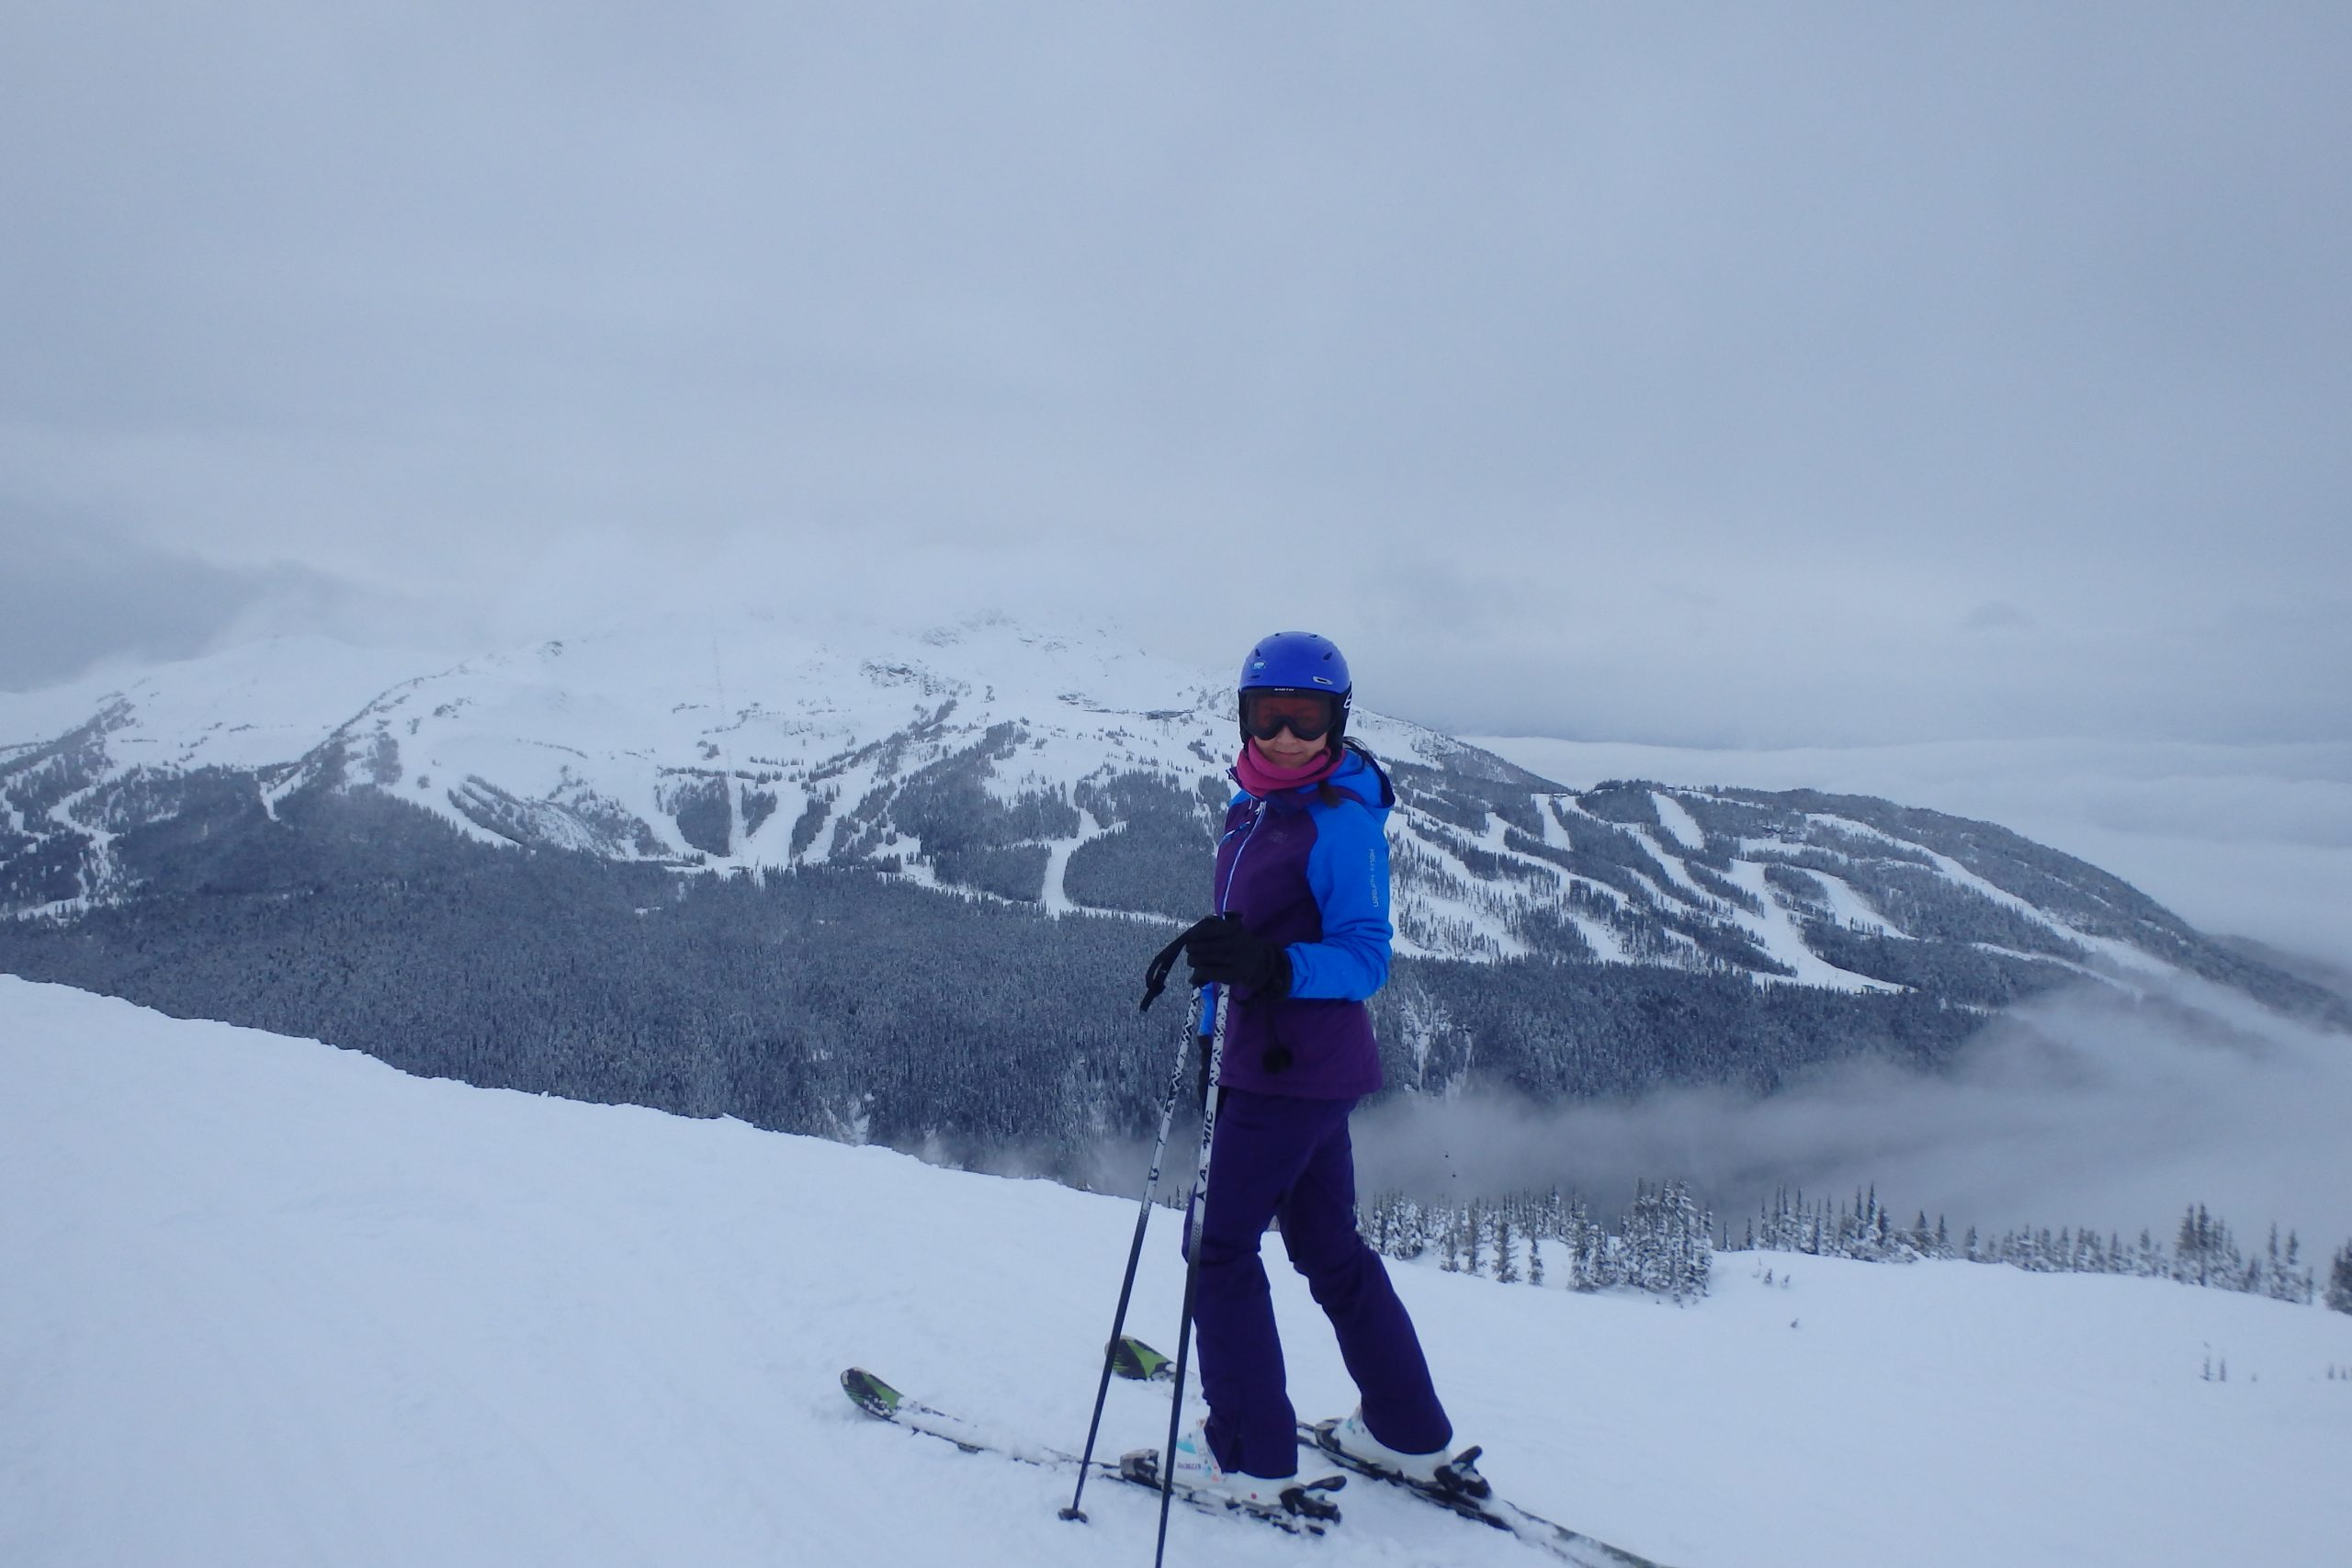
{"x":1131,"y":1357}
{"x":1568,"y":1545}
{"x":1140,"y":1468}
{"x":1134,"y":1359}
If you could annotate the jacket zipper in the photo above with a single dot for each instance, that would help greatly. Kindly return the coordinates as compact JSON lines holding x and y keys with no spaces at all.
{"x":1257,"y":818}
{"x":1257,"y":815}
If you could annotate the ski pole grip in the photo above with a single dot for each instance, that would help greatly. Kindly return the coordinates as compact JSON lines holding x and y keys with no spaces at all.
{"x":1155,"y":972}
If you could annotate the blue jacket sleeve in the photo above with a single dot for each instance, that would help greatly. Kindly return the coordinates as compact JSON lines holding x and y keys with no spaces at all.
{"x":1348,"y":873}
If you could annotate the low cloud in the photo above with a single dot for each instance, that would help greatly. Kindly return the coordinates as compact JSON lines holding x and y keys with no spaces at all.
{"x":75,"y":594}
{"x":2079,"y":1108}
{"x":79,"y":596}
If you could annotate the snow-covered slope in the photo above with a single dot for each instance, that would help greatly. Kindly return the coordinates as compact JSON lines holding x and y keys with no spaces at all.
{"x":748,"y":744}
{"x":1064,"y":771}
{"x":267,"y":1303}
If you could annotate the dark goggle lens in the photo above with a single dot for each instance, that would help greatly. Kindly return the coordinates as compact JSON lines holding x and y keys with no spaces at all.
{"x":1306,"y":714}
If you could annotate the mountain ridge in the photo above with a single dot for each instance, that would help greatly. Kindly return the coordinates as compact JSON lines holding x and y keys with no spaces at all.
{"x":1041,"y":768}
{"x":901,"y":890}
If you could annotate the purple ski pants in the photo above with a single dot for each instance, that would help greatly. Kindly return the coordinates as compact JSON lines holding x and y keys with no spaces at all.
{"x":1277,"y":1156}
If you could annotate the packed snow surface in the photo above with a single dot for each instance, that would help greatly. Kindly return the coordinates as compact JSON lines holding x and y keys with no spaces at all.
{"x":271,"y":1302}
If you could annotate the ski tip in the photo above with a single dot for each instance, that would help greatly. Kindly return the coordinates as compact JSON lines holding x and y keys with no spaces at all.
{"x":1131,"y":1357}
{"x":870,"y":1394}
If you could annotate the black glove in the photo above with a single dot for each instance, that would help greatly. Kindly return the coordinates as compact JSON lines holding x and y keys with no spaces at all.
{"x":1223,"y":954}
{"x":1155,"y":975}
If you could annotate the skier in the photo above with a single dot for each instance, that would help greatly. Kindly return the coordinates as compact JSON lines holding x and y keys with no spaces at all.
{"x":1304,"y":865}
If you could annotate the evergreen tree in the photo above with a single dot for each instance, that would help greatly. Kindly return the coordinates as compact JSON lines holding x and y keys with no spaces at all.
{"x":1694,"y":1263}
{"x":2195,"y":1253}
{"x":1412,"y":1229}
{"x":1647,"y":1260}
{"x":1587,"y":1256}
{"x":1506,"y":1253}
{"x":2339,"y":1280}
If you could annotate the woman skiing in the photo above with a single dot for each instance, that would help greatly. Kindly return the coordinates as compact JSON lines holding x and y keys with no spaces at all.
{"x":1302,"y":885}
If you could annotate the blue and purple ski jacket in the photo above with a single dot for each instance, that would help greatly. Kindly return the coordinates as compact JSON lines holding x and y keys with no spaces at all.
{"x":1313,"y":874}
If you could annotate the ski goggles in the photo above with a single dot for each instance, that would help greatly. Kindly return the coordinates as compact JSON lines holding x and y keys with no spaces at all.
{"x":1307,"y":714}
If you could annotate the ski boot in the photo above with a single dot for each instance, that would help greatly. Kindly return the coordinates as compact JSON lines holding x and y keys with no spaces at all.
{"x":1198,"y":1470}
{"x":1455,"y":1474}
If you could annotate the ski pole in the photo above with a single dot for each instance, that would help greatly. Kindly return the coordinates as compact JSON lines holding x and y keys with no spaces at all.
{"x":1134,"y":1251}
{"x":1195,"y":1213}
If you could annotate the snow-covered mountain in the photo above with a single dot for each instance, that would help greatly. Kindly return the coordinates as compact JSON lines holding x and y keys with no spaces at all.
{"x":900,"y":888}
{"x":1064,"y":772}
{"x":270,"y":1304}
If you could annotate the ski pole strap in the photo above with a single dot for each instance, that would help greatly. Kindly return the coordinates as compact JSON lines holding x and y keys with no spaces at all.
{"x":1155,"y":972}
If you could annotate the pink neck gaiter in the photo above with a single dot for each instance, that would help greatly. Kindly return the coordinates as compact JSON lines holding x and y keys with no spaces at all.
{"x":1261,"y":778}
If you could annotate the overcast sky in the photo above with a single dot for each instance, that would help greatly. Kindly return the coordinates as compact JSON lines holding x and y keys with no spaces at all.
{"x":1774,"y":375}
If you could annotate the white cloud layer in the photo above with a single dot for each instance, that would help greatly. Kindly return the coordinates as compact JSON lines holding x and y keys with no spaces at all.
{"x":1847,"y":375}
{"x":2074,"y":1109}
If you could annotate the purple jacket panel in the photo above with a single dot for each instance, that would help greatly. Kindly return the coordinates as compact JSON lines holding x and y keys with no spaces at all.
{"x":1312,"y":874}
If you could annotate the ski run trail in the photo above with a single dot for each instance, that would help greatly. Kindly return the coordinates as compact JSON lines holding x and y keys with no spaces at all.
{"x":264,"y":1302}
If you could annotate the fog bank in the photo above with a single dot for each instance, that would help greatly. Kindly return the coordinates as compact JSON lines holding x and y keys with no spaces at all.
{"x":2081,"y":1108}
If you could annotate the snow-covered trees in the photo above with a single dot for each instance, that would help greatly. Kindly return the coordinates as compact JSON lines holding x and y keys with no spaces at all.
{"x":2284,"y":1277}
{"x":1663,"y":1244}
{"x":2205,"y":1251}
{"x":1865,"y":1230}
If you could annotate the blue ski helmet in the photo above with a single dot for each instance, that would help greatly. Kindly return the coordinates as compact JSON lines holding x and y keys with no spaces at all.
{"x":1301,"y":662}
